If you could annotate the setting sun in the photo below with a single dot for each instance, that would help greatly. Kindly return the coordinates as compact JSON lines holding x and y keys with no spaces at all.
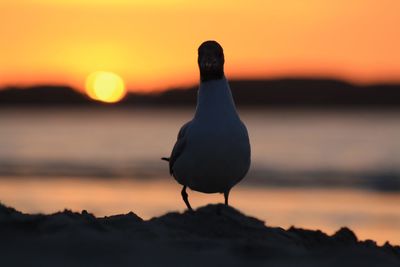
{"x":105,"y":86}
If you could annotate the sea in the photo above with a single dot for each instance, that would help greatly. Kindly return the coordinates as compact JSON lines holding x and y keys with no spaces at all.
{"x":311,"y":168}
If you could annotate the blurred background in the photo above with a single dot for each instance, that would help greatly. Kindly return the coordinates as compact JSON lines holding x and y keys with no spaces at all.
{"x":94,"y":92}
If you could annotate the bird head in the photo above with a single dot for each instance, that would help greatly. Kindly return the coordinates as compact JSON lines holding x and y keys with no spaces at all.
{"x":211,"y":61}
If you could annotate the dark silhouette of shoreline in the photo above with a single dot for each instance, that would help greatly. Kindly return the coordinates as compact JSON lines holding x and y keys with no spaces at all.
{"x":214,"y":235}
{"x":286,"y":93}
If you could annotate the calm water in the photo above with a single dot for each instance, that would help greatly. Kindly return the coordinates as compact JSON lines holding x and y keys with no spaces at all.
{"x":311,"y":169}
{"x":129,"y":140}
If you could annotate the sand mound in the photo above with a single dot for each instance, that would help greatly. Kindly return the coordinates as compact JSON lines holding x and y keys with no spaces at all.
{"x":213,"y":235}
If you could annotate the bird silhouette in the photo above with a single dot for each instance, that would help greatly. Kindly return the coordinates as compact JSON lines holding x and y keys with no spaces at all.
{"x":212,"y":151}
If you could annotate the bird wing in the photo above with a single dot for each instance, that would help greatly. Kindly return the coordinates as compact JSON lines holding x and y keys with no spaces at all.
{"x":179,"y":146}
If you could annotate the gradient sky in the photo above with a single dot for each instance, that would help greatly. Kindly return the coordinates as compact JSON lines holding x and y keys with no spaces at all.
{"x":153,"y":44}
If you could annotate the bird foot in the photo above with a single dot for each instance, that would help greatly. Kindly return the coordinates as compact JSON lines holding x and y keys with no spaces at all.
{"x":185,"y":198}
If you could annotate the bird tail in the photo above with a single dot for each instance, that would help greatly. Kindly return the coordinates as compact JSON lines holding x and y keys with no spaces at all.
{"x":166,"y":159}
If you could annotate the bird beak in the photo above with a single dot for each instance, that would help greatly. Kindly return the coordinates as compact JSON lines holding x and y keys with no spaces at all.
{"x":208,"y":64}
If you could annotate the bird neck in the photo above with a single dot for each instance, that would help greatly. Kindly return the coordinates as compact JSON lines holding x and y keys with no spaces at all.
{"x":215,"y":98}
{"x":206,"y":76}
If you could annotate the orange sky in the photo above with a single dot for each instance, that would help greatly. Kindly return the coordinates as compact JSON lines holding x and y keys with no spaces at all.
{"x":152,"y":44}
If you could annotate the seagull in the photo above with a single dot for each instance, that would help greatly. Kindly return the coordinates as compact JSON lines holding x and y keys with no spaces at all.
{"x":212,"y":151}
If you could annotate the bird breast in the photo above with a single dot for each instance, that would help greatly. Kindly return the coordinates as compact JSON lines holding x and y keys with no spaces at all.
{"x":216,"y":157}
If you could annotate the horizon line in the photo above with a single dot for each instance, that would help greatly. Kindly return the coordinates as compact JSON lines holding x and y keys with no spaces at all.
{"x":188,"y":86}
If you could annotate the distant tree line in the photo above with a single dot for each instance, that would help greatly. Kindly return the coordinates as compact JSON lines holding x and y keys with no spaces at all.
{"x":258,"y":93}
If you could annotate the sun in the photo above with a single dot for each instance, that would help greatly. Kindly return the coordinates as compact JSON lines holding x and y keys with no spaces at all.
{"x":105,"y":86}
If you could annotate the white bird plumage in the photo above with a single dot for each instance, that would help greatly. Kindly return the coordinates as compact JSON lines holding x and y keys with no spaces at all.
{"x":216,"y":152}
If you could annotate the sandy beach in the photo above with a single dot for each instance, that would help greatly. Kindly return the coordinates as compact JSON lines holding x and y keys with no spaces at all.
{"x":213,"y":235}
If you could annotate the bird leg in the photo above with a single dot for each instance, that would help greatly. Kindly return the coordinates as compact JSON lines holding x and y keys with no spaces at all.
{"x":185,"y":197}
{"x":226,"y":196}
